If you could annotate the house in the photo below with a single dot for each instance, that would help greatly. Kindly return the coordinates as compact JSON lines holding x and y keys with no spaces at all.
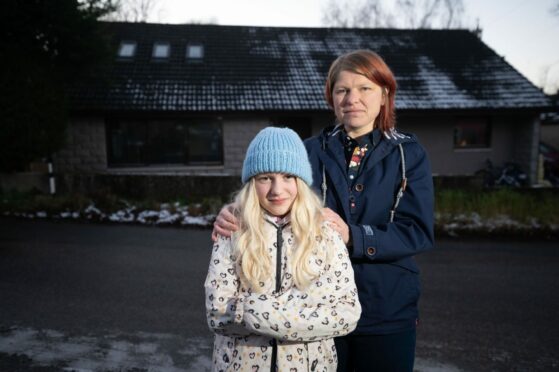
{"x":550,"y":124}
{"x":187,"y":99}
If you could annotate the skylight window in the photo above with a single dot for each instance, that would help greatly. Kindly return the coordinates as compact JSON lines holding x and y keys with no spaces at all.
{"x":161,"y":50}
{"x":195,"y":51}
{"x":127,"y":49}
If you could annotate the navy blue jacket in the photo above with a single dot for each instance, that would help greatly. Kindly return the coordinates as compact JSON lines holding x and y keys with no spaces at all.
{"x":382,"y":253}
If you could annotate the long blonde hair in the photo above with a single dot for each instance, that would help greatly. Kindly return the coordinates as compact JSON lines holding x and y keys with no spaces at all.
{"x":250,"y":243}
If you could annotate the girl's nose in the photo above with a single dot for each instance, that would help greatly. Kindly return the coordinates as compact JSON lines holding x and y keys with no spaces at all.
{"x":275,"y":188}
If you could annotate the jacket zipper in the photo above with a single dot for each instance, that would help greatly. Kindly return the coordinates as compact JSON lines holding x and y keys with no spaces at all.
{"x":279,"y":243}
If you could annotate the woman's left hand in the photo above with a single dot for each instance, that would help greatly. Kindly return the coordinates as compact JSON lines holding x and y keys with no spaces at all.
{"x":337,"y":223}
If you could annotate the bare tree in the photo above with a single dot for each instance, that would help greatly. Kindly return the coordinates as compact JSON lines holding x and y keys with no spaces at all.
{"x":408,"y":13}
{"x":555,"y":9}
{"x":134,"y":10}
{"x":549,"y":78}
{"x":202,"y":21}
{"x":453,"y":11}
{"x":431,"y":13}
{"x":550,"y":73}
{"x":366,"y":13}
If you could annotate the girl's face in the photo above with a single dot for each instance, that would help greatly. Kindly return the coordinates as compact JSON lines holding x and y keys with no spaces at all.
{"x":276,"y":192}
{"x":357,"y":101}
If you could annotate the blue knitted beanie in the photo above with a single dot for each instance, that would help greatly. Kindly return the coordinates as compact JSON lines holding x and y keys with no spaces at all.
{"x":277,"y":150}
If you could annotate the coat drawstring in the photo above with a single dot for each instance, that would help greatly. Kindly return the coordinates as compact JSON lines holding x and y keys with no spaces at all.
{"x":403,"y":183}
{"x":279,"y":243}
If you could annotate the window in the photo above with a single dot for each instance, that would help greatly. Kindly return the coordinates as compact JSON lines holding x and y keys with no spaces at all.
{"x":127,"y":49}
{"x":171,"y":142}
{"x":472,"y":133}
{"x":195,"y":51}
{"x":161,"y":50}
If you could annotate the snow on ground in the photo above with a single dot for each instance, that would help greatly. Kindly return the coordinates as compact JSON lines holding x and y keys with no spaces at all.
{"x":473,"y":222}
{"x":167,"y":215}
{"x":178,"y":215}
{"x":153,"y":352}
{"x":139,"y":351}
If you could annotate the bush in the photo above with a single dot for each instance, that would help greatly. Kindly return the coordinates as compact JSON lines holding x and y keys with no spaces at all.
{"x":517,"y":204}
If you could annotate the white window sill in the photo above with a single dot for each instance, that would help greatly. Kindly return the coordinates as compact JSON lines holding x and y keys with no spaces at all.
{"x":218,"y":170}
{"x":476,"y":149}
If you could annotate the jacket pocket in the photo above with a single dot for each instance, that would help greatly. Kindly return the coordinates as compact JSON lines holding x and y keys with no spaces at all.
{"x":388,"y":294}
{"x":406,"y":263}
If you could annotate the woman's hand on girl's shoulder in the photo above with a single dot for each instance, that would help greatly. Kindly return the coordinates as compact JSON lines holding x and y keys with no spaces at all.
{"x":225,"y":223}
{"x":336,"y":223}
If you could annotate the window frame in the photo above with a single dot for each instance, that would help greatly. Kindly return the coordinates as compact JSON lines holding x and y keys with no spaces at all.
{"x":190,"y":47}
{"x":148,"y":147}
{"x":161,"y":44}
{"x":125,"y":43}
{"x":465,"y":123}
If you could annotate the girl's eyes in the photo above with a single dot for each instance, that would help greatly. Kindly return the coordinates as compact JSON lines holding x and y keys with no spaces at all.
{"x":268,"y":178}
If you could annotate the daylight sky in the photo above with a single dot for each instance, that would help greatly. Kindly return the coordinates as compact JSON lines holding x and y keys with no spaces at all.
{"x":524,"y":32}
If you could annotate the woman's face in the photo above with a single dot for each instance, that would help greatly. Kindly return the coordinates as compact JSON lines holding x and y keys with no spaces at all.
{"x":357,"y":101}
{"x":276,"y":192}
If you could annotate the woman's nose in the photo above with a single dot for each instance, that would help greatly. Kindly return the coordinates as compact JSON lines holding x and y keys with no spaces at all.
{"x":352,"y":96}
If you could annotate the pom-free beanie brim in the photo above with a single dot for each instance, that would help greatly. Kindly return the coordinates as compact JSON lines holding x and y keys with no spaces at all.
{"x":277,"y":150}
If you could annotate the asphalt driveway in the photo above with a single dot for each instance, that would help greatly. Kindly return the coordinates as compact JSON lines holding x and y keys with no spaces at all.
{"x":90,"y":297}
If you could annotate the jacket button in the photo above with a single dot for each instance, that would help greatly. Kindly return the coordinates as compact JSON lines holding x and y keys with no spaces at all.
{"x":371,"y":251}
{"x":359,"y":187}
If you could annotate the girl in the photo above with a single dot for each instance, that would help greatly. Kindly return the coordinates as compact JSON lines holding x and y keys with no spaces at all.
{"x":282,"y":286}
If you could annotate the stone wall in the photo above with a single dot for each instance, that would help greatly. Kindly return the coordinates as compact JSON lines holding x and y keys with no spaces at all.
{"x":151,"y":187}
{"x":237,"y":134}
{"x":85,"y":148}
{"x":513,"y":139}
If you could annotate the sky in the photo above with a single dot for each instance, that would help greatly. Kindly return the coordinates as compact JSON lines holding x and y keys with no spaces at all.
{"x":524,"y":32}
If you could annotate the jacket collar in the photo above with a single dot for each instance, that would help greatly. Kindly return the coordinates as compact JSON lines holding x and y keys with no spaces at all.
{"x":277,"y":221}
{"x":393,"y":136}
{"x":332,"y":155}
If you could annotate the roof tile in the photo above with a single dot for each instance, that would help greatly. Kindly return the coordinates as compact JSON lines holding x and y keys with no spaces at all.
{"x":273,"y":68}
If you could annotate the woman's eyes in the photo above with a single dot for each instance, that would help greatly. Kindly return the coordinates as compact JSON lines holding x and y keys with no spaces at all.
{"x":345,"y":91}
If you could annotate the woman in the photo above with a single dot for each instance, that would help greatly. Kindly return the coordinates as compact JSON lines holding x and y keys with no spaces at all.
{"x":377,"y":185}
{"x":280,"y":288}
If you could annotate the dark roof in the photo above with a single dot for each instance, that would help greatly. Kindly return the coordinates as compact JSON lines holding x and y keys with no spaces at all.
{"x":276,"y":68}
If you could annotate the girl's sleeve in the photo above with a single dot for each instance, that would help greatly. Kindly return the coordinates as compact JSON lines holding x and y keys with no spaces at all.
{"x":224,"y":309}
{"x":329,"y":307}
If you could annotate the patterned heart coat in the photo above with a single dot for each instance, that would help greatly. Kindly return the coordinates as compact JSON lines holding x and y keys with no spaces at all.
{"x":281,"y":323}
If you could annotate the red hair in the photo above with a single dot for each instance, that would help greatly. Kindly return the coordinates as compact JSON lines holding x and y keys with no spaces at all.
{"x":373,"y":67}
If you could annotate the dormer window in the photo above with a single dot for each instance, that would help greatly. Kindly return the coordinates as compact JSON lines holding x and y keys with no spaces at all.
{"x":195,"y":51}
{"x":161,"y":50}
{"x":127,"y":49}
